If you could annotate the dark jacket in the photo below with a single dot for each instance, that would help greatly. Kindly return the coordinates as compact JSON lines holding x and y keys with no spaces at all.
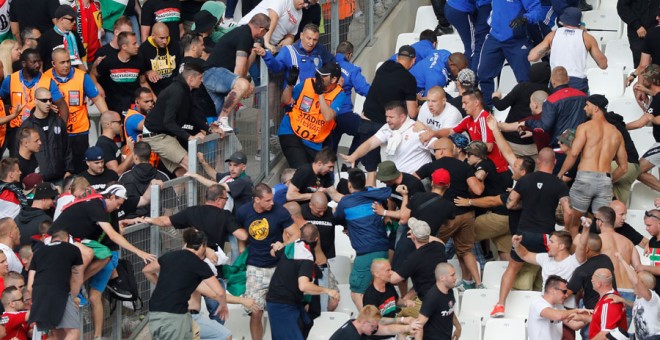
{"x":136,"y":181}
{"x":638,"y":13}
{"x":564,"y":109}
{"x":365,"y":229}
{"x":55,"y":156}
{"x":518,"y":99}
{"x":631,"y":150}
{"x":28,"y":222}
{"x":172,"y":111}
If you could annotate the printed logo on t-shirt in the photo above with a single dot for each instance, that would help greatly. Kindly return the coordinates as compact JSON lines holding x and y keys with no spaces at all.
{"x":450,"y":311}
{"x":164,"y":65}
{"x":654,"y":256}
{"x":292,"y":18}
{"x":259,"y":229}
{"x":389,"y":306}
{"x":168,"y":15}
{"x":124,"y":75}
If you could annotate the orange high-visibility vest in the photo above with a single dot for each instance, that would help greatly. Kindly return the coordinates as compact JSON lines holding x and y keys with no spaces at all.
{"x":154,"y":159}
{"x":21,"y":94}
{"x":346,"y":9}
{"x":74,"y":95}
{"x":307,"y":122}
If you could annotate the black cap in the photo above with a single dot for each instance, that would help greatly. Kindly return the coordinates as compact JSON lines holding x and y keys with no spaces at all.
{"x":45,"y":190}
{"x":204,"y":21}
{"x":330,"y":69}
{"x":63,"y":10}
{"x":599,"y":100}
{"x":406,"y":51}
{"x":237,"y":157}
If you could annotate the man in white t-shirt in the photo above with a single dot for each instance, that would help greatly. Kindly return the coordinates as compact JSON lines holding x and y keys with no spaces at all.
{"x":400,"y":140}
{"x":558,"y":260}
{"x":437,"y":113}
{"x":284,"y":16}
{"x":547,"y":312}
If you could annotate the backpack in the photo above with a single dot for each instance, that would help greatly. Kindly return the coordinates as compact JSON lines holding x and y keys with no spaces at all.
{"x":128,"y":283}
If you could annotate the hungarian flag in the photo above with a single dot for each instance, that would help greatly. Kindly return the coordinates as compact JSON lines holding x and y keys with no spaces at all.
{"x":654,"y":256}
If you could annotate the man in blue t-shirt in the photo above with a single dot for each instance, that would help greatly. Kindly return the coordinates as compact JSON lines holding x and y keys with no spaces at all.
{"x":269,"y":227}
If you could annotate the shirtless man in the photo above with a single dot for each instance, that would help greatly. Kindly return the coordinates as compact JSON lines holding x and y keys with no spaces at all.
{"x":613,"y":243}
{"x":593,"y":183}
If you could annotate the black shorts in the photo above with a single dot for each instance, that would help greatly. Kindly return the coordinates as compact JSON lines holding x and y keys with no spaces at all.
{"x":372,"y":158}
{"x":534,"y":242}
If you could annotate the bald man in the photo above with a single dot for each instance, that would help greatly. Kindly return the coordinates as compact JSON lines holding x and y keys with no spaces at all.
{"x":437,"y":315}
{"x":437,"y":113}
{"x":382,"y":294}
{"x":162,"y":56}
{"x":623,"y":228}
{"x":111,"y":126}
{"x":608,"y":315}
{"x":541,"y":137}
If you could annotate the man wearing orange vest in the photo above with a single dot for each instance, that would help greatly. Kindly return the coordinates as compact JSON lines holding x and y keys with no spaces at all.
{"x":134,"y":119}
{"x":18,"y":89}
{"x":316,"y":102}
{"x":346,"y":10}
{"x":75,"y":85}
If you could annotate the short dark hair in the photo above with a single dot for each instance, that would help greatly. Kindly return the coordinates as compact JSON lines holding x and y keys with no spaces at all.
{"x":214,"y":191}
{"x":357,"y":179}
{"x":61,"y":235}
{"x":344,"y":47}
{"x":193,"y":238}
{"x":191,"y":68}
{"x":122,"y":20}
{"x":27,"y":31}
{"x":261,"y":189}
{"x":143,"y":151}
{"x":474,"y":93}
{"x":309,"y":232}
{"x":528,"y":164}
{"x":142,"y":90}
{"x":189,"y":39}
{"x":24,"y":133}
{"x":553,"y":282}
{"x":6,"y":166}
{"x":396,"y":105}
{"x":122,"y":38}
{"x":428,"y":35}
{"x":607,"y":215}
{"x":311,"y":27}
{"x":325,"y":155}
{"x":29,"y":52}
{"x":564,"y":238}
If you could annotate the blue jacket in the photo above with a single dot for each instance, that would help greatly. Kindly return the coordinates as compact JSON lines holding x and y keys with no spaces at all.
{"x":564,"y":109}
{"x":423,"y":49}
{"x":296,"y":55}
{"x":465,"y":6}
{"x":366,"y":230}
{"x":353,"y":78}
{"x":432,"y":71}
{"x":506,"y":10}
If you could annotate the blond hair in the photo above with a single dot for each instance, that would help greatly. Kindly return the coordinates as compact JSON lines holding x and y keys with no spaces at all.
{"x":368,"y":312}
{"x":5,"y":56}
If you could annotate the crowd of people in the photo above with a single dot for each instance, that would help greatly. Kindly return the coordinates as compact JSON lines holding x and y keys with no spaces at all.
{"x":453,"y":180}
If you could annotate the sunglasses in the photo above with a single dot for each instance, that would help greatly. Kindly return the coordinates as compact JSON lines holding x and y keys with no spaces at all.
{"x":45,"y":100}
{"x":563,"y":291}
{"x":69,"y":19}
{"x":649,"y":213}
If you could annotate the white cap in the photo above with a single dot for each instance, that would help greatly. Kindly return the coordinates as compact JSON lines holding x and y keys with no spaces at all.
{"x":117,"y":190}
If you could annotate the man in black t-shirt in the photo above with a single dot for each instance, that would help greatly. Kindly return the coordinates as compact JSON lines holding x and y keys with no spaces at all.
{"x":161,"y":55}
{"x":29,"y":143}
{"x":293,"y":277}
{"x":111,"y":127}
{"x":228,"y":65}
{"x":625,"y":229}
{"x":392,"y":177}
{"x":236,"y":181}
{"x":437,"y":315}
{"x":165,"y":11}
{"x":176,"y":275}
{"x":368,"y":323}
{"x":314,"y":177}
{"x":650,"y":85}
{"x":63,"y":34}
{"x":96,"y":174}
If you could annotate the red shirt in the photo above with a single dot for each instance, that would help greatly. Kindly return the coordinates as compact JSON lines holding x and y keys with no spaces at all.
{"x":478,"y":130}
{"x":87,"y":26}
{"x":15,"y":325}
{"x":607,"y":316}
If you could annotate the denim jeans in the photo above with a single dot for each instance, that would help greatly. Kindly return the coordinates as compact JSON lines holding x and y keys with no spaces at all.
{"x":284,"y":321}
{"x":218,"y":82}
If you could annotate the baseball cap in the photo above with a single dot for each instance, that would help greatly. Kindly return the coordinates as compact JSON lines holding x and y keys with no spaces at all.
{"x":419,"y":228}
{"x":460,"y":140}
{"x":567,"y":137}
{"x":387,"y":171}
{"x":599,"y":100}
{"x":63,"y":10}
{"x":440,"y":177}
{"x":466,"y":78}
{"x":237,"y":157}
{"x":407,"y":51}
{"x":204,"y":21}
{"x":45,"y":190}
{"x":94,"y":154}
{"x":117,"y":190}
{"x":477,"y":148}
{"x":31,"y":181}
{"x":571,"y":17}
{"x":330,"y":69}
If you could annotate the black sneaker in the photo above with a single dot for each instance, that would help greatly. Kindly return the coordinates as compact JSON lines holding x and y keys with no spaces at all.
{"x":114,"y":286}
{"x":584,"y":6}
{"x":440,"y":30}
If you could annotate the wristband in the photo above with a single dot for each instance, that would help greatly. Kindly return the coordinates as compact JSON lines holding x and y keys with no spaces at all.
{"x":384,"y":213}
{"x":470,"y":202}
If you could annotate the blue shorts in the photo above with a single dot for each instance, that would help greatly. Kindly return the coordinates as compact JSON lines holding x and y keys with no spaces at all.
{"x":218,"y":82}
{"x":100,"y":280}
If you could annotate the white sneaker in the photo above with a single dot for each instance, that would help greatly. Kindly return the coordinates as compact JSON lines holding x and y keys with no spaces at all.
{"x":228,"y":23}
{"x":223,"y":123}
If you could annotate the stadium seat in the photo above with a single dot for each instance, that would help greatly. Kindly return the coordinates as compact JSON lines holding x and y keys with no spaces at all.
{"x":643,"y":139}
{"x":341,"y":267}
{"x":346,"y":304}
{"x":425,"y":19}
{"x":378,"y":65}
{"x":343,"y":244}
{"x":618,"y":54}
{"x":512,"y":329}
{"x":604,"y":25}
{"x":627,"y":108}
{"x":457,"y":266}
{"x":507,"y":80}
{"x":518,"y":301}
{"x":493,"y":274}
{"x":642,"y":197}
{"x":606,"y":4}
{"x":478,"y":302}
{"x":451,"y":43}
{"x":359,"y":103}
{"x":457,"y":296}
{"x":238,"y":322}
{"x":326,"y":325}
{"x":500,"y":116}
{"x":645,"y":260}
{"x":406,"y":39}
{"x":636,"y":219}
{"x":470,"y":327}
{"x":608,"y":82}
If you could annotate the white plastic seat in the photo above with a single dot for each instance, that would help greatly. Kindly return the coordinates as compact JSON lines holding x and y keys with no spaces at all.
{"x":636,"y":219}
{"x":511,"y":329}
{"x":359,"y":103}
{"x":643,"y":139}
{"x":626,"y":107}
{"x":645,"y":260}
{"x":341,"y":267}
{"x":507,"y":80}
{"x":478,"y":303}
{"x":457,"y":267}
{"x":618,"y":54}
{"x":470,"y":327}
{"x":346,"y":304}
{"x":343,"y":244}
{"x":238,"y":322}
{"x":326,"y":325}
{"x":425,"y":19}
{"x":500,"y":116}
{"x":517,"y":303}
{"x":642,"y":197}
{"x":493,"y":272}
{"x":457,"y":297}
{"x":594,"y":3}
{"x":606,"y":4}
{"x":604,"y":25}
{"x":406,"y":39}
{"x":608,"y":82}
{"x":451,"y":43}
{"x":378,"y":65}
